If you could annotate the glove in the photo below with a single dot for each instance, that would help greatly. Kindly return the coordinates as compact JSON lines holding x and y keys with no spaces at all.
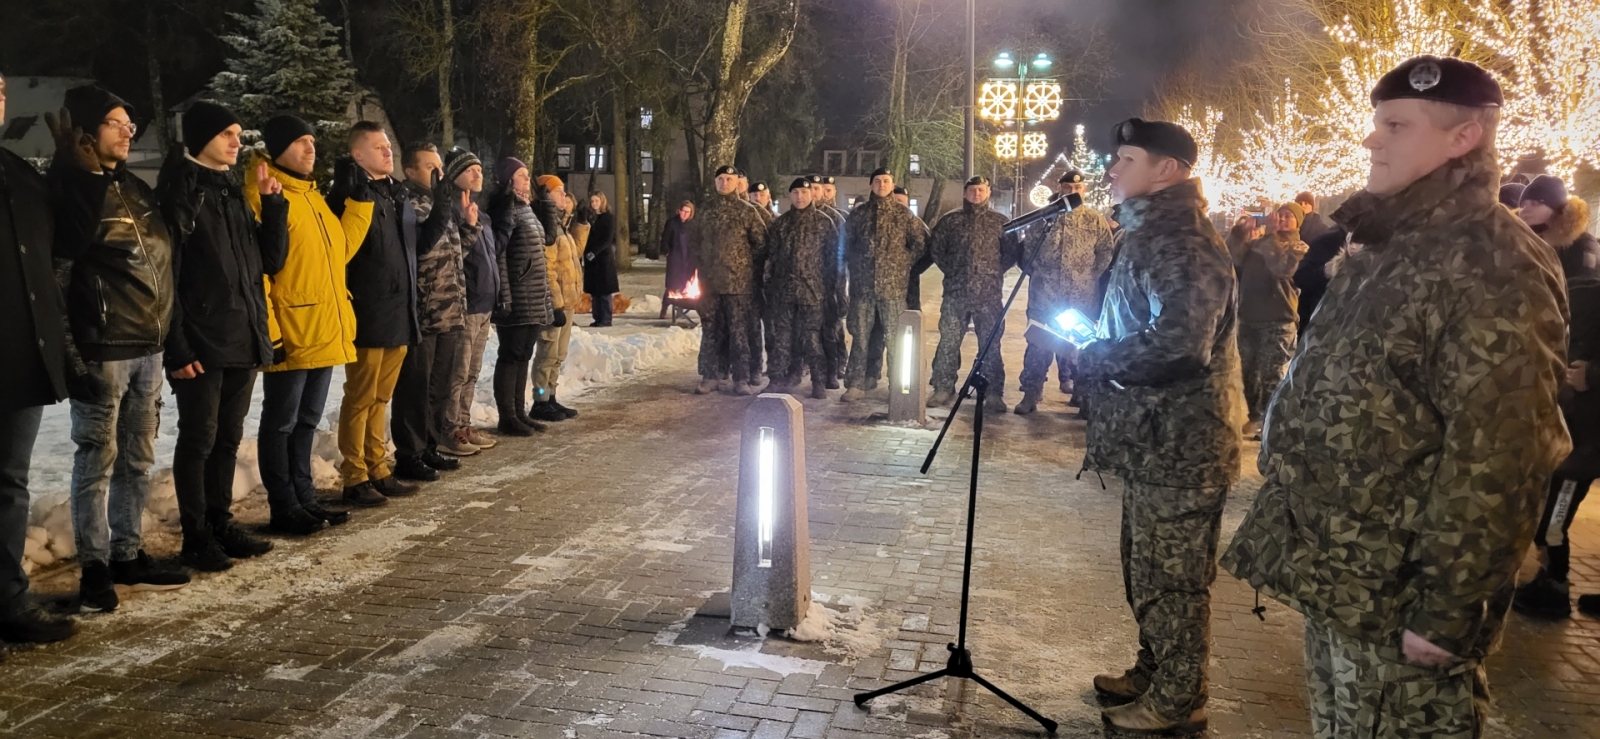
{"x":73,"y":145}
{"x":352,"y":180}
{"x":445,"y":192}
{"x":559,"y":320}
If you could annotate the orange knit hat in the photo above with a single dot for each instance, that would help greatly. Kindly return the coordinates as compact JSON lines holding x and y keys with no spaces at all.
{"x":550,"y":182}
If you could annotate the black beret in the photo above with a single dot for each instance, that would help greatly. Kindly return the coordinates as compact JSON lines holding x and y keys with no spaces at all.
{"x":827,"y":180}
{"x":1072,"y":177}
{"x":727,"y":169}
{"x":202,"y":122}
{"x":1441,"y":79}
{"x":814,"y":179}
{"x":880,"y":172}
{"x":738,"y":171}
{"x":977,"y":179}
{"x":898,"y":190}
{"x":758,"y":187}
{"x":1157,"y":137}
{"x":802,"y":182}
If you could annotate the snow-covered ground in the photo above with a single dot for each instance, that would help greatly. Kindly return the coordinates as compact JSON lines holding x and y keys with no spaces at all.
{"x":595,"y":358}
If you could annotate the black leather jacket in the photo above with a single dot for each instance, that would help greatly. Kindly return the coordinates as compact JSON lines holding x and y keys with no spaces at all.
{"x":119,"y":298}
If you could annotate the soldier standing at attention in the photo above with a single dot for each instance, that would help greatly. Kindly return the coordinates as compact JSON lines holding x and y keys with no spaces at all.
{"x":731,"y":239}
{"x":883,"y":240}
{"x":1165,"y":417}
{"x":1406,"y":454}
{"x":800,"y":245}
{"x":967,"y":246}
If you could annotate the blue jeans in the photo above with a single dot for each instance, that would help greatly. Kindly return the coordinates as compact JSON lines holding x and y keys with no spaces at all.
{"x":116,"y":438}
{"x":18,"y":429}
{"x":292,"y":402}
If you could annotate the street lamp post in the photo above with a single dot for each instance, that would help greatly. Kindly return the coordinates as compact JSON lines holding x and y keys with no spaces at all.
{"x":972,"y":86}
{"x":1015,"y":102}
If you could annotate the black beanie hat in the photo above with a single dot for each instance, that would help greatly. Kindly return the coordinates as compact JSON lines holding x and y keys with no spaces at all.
{"x":88,"y":105}
{"x":459,"y":160}
{"x":1548,"y":190}
{"x":282,"y":130}
{"x":1511,"y":194}
{"x":202,"y":122}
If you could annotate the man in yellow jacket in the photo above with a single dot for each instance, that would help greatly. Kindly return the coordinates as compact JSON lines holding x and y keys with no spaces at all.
{"x":311,"y":322}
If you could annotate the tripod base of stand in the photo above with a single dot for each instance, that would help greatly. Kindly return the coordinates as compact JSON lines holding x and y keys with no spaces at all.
{"x":960,"y":666}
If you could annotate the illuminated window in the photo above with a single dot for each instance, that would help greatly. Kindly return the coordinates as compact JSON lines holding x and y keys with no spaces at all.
{"x":647,"y":163}
{"x":596,"y":157}
{"x":916,"y":209}
{"x":646,"y":117}
{"x":564,"y":157}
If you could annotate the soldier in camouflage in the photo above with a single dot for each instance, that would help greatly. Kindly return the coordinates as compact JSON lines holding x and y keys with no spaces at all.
{"x":834,"y":311}
{"x":967,"y":246}
{"x":800,"y":245}
{"x":1067,"y":261}
{"x":1165,"y":418}
{"x":730,"y":240}
{"x":1269,"y":308}
{"x":761,"y":198}
{"x":882,"y":241}
{"x":1406,"y":453}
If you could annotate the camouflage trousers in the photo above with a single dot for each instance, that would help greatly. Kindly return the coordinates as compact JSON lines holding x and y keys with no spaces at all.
{"x":835,"y":354}
{"x":953,"y":318}
{"x":796,"y":343}
{"x":870,"y":320}
{"x":1169,"y":559}
{"x":1036,"y":361}
{"x":1361,"y":689}
{"x":730,"y":327}
{"x":1264,"y":352}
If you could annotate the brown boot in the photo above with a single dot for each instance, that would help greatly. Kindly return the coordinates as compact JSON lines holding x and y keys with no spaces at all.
{"x":1136,"y":718}
{"x":1120,"y":688}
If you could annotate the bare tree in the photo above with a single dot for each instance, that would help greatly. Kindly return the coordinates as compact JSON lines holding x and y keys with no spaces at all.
{"x":529,"y":46}
{"x":425,"y":40}
{"x":738,"y":71}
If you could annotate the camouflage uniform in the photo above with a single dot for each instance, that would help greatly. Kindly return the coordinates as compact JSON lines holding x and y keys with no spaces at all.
{"x":1269,"y":312}
{"x":730,"y":240}
{"x":800,"y":245}
{"x":441,"y":277}
{"x":836,"y":305}
{"x":1406,"y":454}
{"x":1165,"y":418}
{"x":758,"y":292}
{"x":882,"y":241}
{"x":969,"y":250}
{"x":1067,"y":261}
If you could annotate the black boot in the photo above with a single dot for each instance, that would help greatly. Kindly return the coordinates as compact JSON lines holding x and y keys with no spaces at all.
{"x":294,"y":522}
{"x":23,"y":622}
{"x":545,"y":411}
{"x":505,"y":394}
{"x":1543,"y":597}
{"x":568,"y":412}
{"x":522,"y":400}
{"x":238,"y":543}
{"x":202,"y":552}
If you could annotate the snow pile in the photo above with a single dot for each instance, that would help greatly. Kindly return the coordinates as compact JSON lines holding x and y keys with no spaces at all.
{"x":645,"y":305}
{"x":594,"y":360}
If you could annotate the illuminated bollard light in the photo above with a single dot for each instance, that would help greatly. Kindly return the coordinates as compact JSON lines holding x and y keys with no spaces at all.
{"x":771,"y":549}
{"x":908,"y":386}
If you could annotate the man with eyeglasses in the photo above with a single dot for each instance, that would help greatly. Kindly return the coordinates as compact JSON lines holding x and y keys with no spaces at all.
{"x":119,"y":306}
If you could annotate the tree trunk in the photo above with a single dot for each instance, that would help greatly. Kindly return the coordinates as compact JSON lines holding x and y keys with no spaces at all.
{"x":899,"y":136}
{"x":930,"y":212}
{"x":737,"y":76}
{"x":447,"y":121}
{"x":158,"y":104}
{"x":621,"y":163}
{"x":526,"y":123}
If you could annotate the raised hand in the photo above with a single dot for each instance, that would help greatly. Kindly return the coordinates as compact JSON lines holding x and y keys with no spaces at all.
{"x":266,"y":184}
{"x":72,"y":144}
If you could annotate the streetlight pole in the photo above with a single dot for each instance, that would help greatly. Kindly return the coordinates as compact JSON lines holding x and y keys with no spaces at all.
{"x":972,"y":89}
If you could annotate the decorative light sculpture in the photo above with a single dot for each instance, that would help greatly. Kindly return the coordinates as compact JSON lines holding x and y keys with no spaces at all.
{"x":1035,"y":145}
{"x":1042,"y":101}
{"x":1005,"y":146}
{"x":998,"y":100}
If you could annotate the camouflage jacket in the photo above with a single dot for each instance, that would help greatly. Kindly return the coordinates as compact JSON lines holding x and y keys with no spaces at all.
{"x":1406,"y":454}
{"x":799,"y":246}
{"x":441,"y":276}
{"x":968,"y":248}
{"x":1068,"y":260}
{"x":1167,"y":337}
{"x":882,"y":240}
{"x":729,"y":239}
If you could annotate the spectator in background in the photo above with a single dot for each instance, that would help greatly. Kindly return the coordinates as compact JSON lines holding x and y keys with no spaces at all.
{"x":33,"y":373}
{"x":566,"y":284}
{"x":600,"y":260}
{"x":1311,"y":277}
{"x":1268,"y":309}
{"x":681,"y":264}
{"x":119,"y":303}
{"x":1511,"y":194}
{"x":526,"y":300}
{"x":219,"y":340}
{"x":1241,"y":233}
{"x":309,"y":317}
{"x":482,"y":279}
{"x":1313,"y":225}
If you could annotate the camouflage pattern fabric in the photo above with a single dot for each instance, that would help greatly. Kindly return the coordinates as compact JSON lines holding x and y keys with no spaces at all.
{"x":730,"y":239}
{"x":874,"y":313}
{"x":800,"y":247}
{"x":1036,"y":361}
{"x":1407,"y":452}
{"x":441,"y":276}
{"x":834,"y":308}
{"x":1361,"y":689}
{"x":1167,"y":338}
{"x":730,"y":329}
{"x":882,"y":241}
{"x":798,"y":344}
{"x":1169,"y":559}
{"x":953,"y":320}
{"x":1068,"y":259}
{"x":1264,"y":352}
{"x":968,"y":248}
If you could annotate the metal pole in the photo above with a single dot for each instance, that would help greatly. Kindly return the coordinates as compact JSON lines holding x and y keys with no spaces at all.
{"x":972,"y":88}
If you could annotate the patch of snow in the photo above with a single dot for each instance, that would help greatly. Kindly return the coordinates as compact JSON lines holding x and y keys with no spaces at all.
{"x":816,"y":626}
{"x":751,"y":656}
{"x":289,"y":672}
{"x":598,"y":719}
{"x":645,"y":304}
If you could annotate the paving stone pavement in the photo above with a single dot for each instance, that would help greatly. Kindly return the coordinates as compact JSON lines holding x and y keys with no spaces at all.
{"x":547,"y":590}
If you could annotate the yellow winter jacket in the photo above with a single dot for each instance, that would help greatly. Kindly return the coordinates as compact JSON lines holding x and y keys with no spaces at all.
{"x":308,"y":306}
{"x":566,"y":274}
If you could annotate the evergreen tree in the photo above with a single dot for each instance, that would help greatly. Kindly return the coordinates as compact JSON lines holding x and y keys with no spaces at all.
{"x":1093,"y":166}
{"x":287,"y":57}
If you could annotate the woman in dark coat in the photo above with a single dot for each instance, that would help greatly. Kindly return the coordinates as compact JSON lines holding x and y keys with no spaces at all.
{"x":600,"y":260}
{"x":681,"y":262}
{"x":525,"y":303}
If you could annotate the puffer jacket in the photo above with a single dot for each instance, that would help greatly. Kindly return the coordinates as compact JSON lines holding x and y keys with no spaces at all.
{"x":441,"y":276}
{"x":968,"y":248}
{"x":1579,"y":254}
{"x":1167,"y":337}
{"x":119,"y":299}
{"x":1407,"y":453}
{"x":578,"y":229}
{"x":731,"y":239}
{"x":222,"y":251}
{"x":309,"y":315}
{"x":1577,"y":249}
{"x":882,"y":241}
{"x":520,"y":258}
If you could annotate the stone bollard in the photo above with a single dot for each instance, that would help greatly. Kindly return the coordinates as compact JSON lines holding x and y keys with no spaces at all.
{"x":771,"y":549}
{"x":908,"y":383}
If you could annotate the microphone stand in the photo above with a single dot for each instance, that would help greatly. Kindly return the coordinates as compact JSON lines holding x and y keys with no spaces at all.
{"x":960,"y":663}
